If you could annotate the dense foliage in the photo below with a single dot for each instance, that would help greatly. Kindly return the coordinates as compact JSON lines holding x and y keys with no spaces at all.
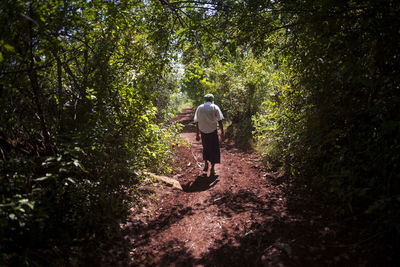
{"x":86,"y":87}
{"x":334,"y":120}
{"x":328,"y":78}
{"x":81,"y":117}
{"x":344,"y":100}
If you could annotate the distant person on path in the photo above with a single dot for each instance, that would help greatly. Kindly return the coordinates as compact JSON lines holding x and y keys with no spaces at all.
{"x":208,"y":117}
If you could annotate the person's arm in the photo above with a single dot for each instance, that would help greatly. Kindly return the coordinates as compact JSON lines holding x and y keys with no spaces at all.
{"x":221,"y":128}
{"x":197,"y":132}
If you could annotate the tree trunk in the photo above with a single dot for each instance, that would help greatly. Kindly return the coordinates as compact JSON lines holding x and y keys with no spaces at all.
{"x":60,"y":95}
{"x":37,"y":95}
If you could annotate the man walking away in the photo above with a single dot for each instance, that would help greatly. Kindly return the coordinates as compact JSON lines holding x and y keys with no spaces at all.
{"x":208,"y":117}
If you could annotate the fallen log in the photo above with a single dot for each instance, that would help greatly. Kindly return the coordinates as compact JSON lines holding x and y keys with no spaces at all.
{"x":170,"y":181}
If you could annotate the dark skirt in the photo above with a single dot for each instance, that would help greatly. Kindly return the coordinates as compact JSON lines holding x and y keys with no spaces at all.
{"x":211,"y":147}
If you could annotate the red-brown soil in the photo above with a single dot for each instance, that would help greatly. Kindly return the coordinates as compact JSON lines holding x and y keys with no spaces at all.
{"x":247,"y":215}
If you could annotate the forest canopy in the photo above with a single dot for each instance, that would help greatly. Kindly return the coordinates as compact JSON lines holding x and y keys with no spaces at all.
{"x":87,"y":89}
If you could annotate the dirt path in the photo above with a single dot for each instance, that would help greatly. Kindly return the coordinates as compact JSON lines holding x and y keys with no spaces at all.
{"x":246,"y":216}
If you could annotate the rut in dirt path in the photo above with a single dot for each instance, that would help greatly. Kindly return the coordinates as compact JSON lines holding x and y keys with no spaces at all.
{"x":245,"y":216}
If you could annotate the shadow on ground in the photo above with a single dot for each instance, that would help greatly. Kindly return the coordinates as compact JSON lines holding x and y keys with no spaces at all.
{"x":202,"y":183}
{"x":275,"y":235}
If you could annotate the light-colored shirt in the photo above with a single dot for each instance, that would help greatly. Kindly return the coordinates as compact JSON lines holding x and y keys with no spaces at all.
{"x":208,"y":115}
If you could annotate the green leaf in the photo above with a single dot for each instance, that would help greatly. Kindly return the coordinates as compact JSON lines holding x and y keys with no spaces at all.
{"x":40,"y":179}
{"x":9,"y":48}
{"x":69,"y":179}
{"x":79,"y":165}
{"x":50,"y":159}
